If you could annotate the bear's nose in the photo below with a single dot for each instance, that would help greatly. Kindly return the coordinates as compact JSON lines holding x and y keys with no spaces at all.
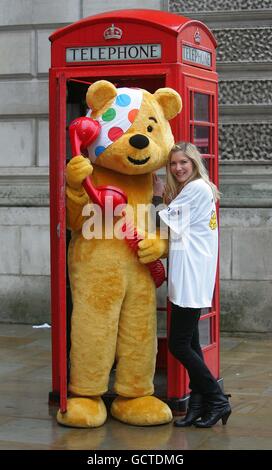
{"x":139,"y":141}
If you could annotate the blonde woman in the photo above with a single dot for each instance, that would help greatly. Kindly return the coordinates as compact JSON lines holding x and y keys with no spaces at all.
{"x":193,"y":250}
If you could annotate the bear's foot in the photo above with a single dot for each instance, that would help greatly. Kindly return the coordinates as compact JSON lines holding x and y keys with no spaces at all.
{"x":142,"y":411}
{"x":83,"y":413}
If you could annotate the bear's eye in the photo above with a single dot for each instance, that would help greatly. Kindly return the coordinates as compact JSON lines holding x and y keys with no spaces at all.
{"x":149,"y":128}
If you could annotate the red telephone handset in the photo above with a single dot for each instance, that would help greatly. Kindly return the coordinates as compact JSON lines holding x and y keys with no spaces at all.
{"x":83,"y":131}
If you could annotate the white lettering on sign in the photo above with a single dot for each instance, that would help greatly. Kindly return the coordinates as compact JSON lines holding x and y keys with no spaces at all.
{"x":198,"y":56}
{"x":102,"y":53}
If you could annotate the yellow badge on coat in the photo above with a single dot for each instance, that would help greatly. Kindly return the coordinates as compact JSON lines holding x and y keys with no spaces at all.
{"x":213,"y":221}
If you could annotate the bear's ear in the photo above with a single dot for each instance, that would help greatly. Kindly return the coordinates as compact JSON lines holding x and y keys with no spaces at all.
{"x":100,"y":96}
{"x":170,"y":102}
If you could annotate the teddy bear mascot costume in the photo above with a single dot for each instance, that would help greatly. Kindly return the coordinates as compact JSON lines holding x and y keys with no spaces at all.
{"x":113,"y":292}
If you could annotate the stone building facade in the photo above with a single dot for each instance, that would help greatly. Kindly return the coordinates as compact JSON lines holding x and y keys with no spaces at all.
{"x":243,"y":30}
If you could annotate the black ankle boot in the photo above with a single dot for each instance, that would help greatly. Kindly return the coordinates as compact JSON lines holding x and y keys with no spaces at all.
{"x":194,"y":411}
{"x":216,"y":407}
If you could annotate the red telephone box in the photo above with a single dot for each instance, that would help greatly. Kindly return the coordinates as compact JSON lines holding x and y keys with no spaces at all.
{"x":148,"y":49}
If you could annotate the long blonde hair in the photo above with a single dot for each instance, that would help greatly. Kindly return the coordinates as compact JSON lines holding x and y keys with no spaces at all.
{"x":172,"y":187}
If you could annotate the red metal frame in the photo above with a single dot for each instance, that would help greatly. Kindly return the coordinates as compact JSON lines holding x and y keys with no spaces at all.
{"x":172,"y":32}
{"x":58,"y":236}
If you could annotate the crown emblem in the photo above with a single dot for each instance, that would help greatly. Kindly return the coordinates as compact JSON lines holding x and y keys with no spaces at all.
{"x":197,"y":37}
{"x":113,"y":32}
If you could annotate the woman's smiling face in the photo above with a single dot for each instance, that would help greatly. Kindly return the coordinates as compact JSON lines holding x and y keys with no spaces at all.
{"x":181,"y":167}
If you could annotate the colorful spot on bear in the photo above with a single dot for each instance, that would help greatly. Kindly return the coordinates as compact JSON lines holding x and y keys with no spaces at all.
{"x":98,"y":150}
{"x":123,"y":100}
{"x":109,"y":115}
{"x":132,"y":115}
{"x":114,"y":133}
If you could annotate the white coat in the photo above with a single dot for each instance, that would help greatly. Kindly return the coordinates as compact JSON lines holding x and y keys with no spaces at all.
{"x":193,"y":249}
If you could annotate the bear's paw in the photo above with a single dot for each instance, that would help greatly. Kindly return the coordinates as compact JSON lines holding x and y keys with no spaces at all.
{"x":83,"y":413}
{"x":142,"y":411}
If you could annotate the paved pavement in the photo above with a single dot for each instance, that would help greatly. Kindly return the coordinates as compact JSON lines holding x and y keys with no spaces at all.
{"x":26,"y":421}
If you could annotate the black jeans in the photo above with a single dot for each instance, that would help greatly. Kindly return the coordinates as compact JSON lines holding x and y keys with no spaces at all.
{"x":184,"y":345}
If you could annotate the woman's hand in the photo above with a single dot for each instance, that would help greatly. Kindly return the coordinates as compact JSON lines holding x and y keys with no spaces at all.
{"x":158,"y":185}
{"x":77,"y":170}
